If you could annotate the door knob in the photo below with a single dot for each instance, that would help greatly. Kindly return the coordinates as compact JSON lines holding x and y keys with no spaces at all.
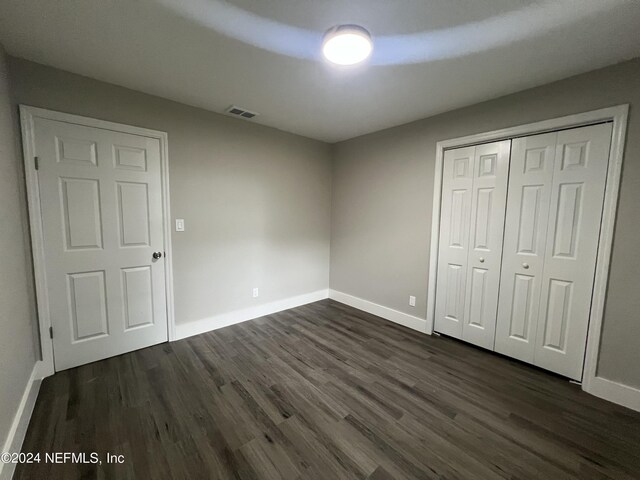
{"x":157,"y":255}
{"x":525,"y":265}
{"x":481,"y":259}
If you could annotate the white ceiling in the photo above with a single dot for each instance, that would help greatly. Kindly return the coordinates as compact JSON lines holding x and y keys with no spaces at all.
{"x":263,"y":55}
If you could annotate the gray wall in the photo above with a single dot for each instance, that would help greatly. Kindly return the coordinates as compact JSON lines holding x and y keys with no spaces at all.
{"x":256,"y":201}
{"x":383,"y":194}
{"x":18,"y":352}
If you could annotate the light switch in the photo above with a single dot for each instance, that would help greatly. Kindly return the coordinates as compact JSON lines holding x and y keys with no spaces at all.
{"x":179,"y":224}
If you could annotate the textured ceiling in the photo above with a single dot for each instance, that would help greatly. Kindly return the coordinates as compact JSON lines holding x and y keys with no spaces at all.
{"x":429,"y":57}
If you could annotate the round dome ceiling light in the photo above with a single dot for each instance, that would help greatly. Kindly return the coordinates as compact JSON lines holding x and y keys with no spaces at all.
{"x":347,"y":45}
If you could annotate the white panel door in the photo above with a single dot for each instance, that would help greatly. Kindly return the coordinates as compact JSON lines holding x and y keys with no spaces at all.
{"x":101,"y":203}
{"x":453,"y":246}
{"x":488,"y":200}
{"x":577,"y":196}
{"x":530,"y":180}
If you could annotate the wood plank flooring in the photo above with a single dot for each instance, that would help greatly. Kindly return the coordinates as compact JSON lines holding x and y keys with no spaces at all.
{"x":326,"y":392}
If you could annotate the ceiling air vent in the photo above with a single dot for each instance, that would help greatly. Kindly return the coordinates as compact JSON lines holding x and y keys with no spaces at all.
{"x":240,"y":112}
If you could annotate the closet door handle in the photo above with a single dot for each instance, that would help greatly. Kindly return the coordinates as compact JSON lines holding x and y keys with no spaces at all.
{"x":481,"y":259}
{"x":525,"y":266}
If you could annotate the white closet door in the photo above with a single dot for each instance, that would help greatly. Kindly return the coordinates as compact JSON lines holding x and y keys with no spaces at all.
{"x":455,"y":215}
{"x":488,"y":199}
{"x":577,"y":195}
{"x":530,"y":180}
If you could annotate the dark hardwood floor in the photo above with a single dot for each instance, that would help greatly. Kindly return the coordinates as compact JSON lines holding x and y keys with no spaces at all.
{"x":326,"y":392}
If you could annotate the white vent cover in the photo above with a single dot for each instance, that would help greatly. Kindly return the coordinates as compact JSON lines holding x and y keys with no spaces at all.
{"x":240,"y":112}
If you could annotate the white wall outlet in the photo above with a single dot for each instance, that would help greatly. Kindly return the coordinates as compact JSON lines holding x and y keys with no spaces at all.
{"x":179,"y":224}
{"x":256,"y":292}
{"x":412,"y":301}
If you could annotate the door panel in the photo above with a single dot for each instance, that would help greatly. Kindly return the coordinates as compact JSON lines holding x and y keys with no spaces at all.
{"x":138,"y":293}
{"x":530,"y":178}
{"x":81,"y":212}
{"x":477,"y":296}
{"x":133,"y":214}
{"x":87,"y":305}
{"x":76,"y":151}
{"x":482,"y":227}
{"x":520,"y":315}
{"x":531,"y":196}
{"x":454,"y":306}
{"x":101,"y":203}
{"x":459,"y":211}
{"x":130,"y":158}
{"x":577,"y":196}
{"x":488,"y":202}
{"x":557,"y":315}
{"x":457,"y":183}
{"x":567,"y":219}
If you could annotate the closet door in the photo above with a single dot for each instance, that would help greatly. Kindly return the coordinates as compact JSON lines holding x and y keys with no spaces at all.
{"x":455,"y":215}
{"x":530,"y":180}
{"x":488,"y":200}
{"x":577,"y":195}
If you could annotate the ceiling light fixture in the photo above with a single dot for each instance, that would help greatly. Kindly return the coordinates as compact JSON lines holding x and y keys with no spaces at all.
{"x":347,"y":45}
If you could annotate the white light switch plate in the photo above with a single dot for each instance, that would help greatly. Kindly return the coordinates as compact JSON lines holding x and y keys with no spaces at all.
{"x":179,"y":224}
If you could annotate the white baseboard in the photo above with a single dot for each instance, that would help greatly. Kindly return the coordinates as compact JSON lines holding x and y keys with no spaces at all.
{"x":614,"y":392}
{"x":238,"y":316}
{"x":13,"y":442}
{"x":415,"y":323}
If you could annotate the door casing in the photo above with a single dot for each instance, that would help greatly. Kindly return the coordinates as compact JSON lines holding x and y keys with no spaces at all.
{"x":27,"y":116}
{"x":618,"y":115}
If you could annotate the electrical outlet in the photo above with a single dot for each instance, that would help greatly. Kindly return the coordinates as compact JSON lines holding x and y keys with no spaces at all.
{"x":256,"y":292}
{"x":412,"y":301}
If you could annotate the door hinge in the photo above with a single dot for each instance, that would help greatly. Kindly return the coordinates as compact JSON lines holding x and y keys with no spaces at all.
{"x":36,"y":162}
{"x":51,"y":332}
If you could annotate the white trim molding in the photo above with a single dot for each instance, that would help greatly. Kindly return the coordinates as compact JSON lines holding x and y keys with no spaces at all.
{"x":27,"y":116}
{"x":615,"y":392}
{"x":395,"y":316}
{"x":618,"y":115}
{"x":196,"y":327}
{"x":18,"y":431}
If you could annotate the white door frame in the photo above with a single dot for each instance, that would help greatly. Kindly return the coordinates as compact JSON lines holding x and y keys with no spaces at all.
{"x":27,"y":116}
{"x":591,"y":383}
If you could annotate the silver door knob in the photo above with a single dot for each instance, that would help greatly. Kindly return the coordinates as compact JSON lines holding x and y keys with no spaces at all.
{"x":157,"y":255}
{"x":525,"y":265}
{"x":481,"y":259}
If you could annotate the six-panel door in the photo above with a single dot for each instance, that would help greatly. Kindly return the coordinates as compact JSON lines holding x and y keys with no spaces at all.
{"x":519,"y":281}
{"x":101,"y":203}
{"x":556,"y":194}
{"x":472,"y":216}
{"x":525,"y":236}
